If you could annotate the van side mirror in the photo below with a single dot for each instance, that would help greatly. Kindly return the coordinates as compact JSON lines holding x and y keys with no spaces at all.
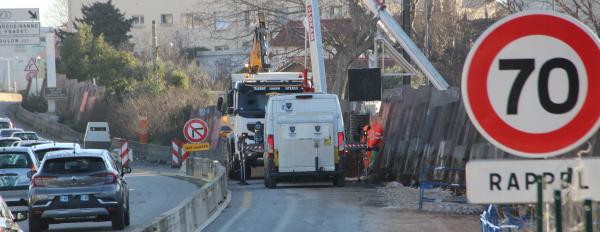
{"x":19,"y":216}
{"x":230,"y":98}
{"x":220,"y":104}
{"x":230,"y":111}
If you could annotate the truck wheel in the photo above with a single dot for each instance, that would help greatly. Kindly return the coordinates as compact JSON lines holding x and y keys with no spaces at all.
{"x":339,"y":180}
{"x":234,"y":170}
{"x":248,"y":170}
{"x":127,"y":215}
{"x":37,"y":224}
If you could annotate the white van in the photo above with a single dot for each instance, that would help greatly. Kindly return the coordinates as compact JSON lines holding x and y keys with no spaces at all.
{"x":97,"y":136}
{"x":304,"y":138}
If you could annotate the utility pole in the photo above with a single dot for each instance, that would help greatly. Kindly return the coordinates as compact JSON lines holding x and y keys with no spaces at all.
{"x":154,"y":48}
{"x":426,"y":29}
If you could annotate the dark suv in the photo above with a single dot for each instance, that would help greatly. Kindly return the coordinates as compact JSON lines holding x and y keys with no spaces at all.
{"x":78,"y":186}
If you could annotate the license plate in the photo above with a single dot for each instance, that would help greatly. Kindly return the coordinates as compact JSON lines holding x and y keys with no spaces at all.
{"x":85,"y":197}
{"x":64,"y":198}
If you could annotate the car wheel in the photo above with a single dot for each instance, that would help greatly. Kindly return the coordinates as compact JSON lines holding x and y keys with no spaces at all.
{"x":127,"y":215}
{"x":118,"y":220}
{"x":36,"y":224}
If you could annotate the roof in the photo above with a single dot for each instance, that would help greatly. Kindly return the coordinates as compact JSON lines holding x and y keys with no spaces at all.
{"x":11,"y":149}
{"x":55,"y":145}
{"x":10,"y":138}
{"x":5,"y":119}
{"x":76,"y":153}
{"x":292,"y":34}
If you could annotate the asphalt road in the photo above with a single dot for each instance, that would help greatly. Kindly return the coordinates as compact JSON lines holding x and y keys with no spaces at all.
{"x":153,"y":191}
{"x":322,"y":207}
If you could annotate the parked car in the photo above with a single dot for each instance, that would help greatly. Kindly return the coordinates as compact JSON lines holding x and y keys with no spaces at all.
{"x":76,"y":186}
{"x":15,"y":165}
{"x":8,"y":141}
{"x":5,"y":123}
{"x":8,"y":219}
{"x":40,"y":150}
{"x":9,"y":132}
{"x":26,"y":135}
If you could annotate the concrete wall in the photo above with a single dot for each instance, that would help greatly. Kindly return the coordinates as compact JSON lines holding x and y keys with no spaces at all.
{"x":43,"y":124}
{"x":193,"y":213}
{"x":430,"y":128}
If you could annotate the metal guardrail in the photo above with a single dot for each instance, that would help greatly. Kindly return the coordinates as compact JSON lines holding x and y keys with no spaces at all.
{"x":194,"y":211}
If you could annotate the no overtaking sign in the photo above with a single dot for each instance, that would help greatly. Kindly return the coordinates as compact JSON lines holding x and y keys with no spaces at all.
{"x":531,"y":84}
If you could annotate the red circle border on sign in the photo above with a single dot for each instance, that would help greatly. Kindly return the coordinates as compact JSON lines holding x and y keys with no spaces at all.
{"x":189,"y":124}
{"x":478,"y":104}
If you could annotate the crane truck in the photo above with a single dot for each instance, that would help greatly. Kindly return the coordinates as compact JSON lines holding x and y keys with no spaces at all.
{"x":246,"y":99}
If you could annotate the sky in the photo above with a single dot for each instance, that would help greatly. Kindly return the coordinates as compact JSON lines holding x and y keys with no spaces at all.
{"x":44,"y":5}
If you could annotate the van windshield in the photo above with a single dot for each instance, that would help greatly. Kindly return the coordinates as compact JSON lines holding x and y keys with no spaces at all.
{"x":252,"y":105}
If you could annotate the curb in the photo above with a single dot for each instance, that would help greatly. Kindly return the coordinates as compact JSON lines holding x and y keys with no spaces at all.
{"x":217,"y":213}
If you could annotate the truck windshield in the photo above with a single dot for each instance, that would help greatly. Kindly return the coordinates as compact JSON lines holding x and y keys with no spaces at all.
{"x":252,"y":105}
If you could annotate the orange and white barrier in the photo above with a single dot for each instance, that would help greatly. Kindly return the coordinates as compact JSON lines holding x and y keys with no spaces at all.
{"x":125,"y":154}
{"x":174,"y":154}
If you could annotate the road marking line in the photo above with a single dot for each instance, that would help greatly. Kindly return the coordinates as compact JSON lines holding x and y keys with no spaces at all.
{"x":287,"y":215}
{"x":246,"y":202}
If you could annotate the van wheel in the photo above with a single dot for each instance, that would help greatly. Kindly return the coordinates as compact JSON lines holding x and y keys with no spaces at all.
{"x":269,"y":182}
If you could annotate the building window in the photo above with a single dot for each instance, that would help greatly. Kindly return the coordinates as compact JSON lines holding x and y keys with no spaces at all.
{"x":335,"y":12}
{"x":166,"y":19}
{"x":138,"y":20}
{"x":247,"y":19}
{"x":221,"y":48}
{"x":191,"y":20}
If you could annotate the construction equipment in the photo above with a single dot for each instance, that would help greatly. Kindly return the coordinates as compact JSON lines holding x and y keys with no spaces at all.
{"x":259,"y":55}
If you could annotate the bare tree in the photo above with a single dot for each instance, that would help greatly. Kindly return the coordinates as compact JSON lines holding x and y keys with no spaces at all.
{"x":343,"y":47}
{"x":58,"y":13}
{"x":584,"y":10}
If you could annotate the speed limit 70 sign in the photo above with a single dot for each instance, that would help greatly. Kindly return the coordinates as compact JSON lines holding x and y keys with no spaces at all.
{"x":531,"y":84}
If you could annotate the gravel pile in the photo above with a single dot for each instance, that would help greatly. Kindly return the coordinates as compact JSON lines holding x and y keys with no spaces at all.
{"x":395,"y":195}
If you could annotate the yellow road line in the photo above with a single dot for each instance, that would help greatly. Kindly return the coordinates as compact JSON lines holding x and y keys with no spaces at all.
{"x":247,"y":200}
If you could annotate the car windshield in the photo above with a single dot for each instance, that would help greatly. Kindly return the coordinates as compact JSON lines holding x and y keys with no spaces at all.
{"x":6,"y":142}
{"x":4,"y":125}
{"x":73,"y":165}
{"x":252,"y":105}
{"x":39,"y":154}
{"x":6,"y":133}
{"x":14,"y":160}
{"x":26,"y":136}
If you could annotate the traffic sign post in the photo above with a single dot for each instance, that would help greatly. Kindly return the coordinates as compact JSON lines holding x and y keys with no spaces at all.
{"x":195,"y":130}
{"x":532,"y":78}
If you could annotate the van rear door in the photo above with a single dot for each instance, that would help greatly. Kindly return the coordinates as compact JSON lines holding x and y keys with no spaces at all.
{"x":305,"y":135}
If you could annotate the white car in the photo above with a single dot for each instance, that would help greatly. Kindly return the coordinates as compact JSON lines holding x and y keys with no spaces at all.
{"x":5,"y":123}
{"x":9,"y":132}
{"x":8,"y":141}
{"x":8,"y":219}
{"x":16,"y":164}
{"x":304,"y":137}
{"x":26,"y":135}
{"x":40,"y":150}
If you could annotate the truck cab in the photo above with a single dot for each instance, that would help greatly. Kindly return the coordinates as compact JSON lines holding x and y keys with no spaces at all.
{"x":245,"y":106}
{"x":304,"y":138}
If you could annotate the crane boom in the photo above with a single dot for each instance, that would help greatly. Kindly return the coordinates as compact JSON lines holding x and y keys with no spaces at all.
{"x":259,"y":55}
{"x":313,"y":32}
{"x":389,"y":24}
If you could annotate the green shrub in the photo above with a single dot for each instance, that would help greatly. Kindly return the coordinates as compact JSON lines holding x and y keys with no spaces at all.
{"x":179,"y":79}
{"x":36,"y":104}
